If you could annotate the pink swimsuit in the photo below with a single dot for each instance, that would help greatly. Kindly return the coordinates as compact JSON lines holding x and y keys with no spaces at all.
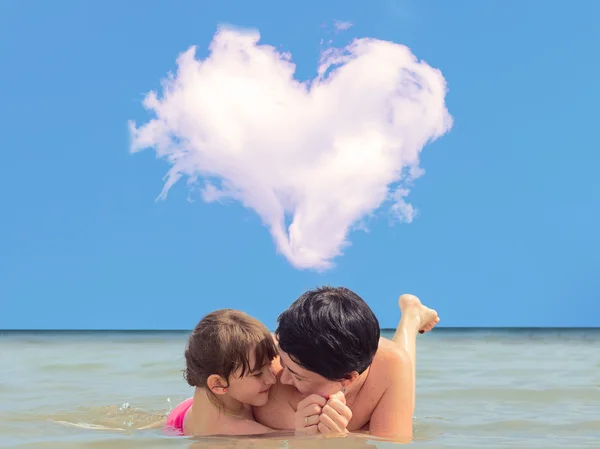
{"x":177,"y":416}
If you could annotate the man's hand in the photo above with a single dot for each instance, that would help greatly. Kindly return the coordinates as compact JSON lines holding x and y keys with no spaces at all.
{"x":335,"y":415}
{"x":307,"y":414}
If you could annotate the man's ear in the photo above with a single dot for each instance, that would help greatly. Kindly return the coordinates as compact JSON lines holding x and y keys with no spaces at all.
{"x":352,"y":378}
{"x":216,"y":384}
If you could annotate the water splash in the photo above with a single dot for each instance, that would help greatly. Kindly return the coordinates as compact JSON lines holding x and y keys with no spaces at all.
{"x":122,"y":417}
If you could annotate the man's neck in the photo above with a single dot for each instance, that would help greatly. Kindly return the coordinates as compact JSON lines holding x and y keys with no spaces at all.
{"x":354,"y":388}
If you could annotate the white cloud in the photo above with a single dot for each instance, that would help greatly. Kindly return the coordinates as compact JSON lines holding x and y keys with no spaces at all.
{"x":402,"y":210}
{"x":341,"y":25}
{"x":321,"y":155}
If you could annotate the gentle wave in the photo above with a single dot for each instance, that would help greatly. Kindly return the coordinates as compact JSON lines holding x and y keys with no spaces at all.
{"x":80,"y":367}
{"x":518,"y":395}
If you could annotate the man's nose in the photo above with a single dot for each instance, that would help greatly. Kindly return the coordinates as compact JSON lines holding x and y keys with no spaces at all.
{"x":286,"y":377}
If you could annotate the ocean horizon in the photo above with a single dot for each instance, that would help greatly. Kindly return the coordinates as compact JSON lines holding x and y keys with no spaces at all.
{"x":438,"y":329}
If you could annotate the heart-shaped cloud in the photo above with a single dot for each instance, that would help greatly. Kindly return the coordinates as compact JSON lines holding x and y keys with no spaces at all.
{"x":320,"y":155}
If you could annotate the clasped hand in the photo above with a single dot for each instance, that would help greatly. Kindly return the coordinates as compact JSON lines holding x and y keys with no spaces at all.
{"x":315,"y":414}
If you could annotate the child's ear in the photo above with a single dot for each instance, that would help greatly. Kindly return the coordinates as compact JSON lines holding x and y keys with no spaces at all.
{"x":216,"y":384}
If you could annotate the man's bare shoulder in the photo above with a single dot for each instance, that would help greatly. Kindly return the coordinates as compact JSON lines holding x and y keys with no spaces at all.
{"x":382,"y":375}
{"x":388,"y":359}
{"x":278,"y":412}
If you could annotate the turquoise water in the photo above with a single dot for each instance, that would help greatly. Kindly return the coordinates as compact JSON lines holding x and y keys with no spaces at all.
{"x":475,"y":389}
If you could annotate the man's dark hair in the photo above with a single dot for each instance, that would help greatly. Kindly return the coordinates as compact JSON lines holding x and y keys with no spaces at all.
{"x":330,"y":331}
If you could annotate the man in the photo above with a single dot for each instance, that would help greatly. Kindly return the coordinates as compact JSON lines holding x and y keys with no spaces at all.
{"x":337,"y":374}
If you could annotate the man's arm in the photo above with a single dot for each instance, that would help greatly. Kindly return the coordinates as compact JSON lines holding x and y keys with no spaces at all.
{"x":392,"y":417}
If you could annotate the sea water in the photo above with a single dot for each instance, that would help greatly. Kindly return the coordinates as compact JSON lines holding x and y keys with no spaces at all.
{"x":475,"y":389}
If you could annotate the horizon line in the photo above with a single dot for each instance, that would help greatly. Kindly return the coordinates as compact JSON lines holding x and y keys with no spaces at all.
{"x":441,"y":328}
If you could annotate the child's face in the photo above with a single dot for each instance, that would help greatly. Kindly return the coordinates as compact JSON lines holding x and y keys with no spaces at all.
{"x":253,"y":388}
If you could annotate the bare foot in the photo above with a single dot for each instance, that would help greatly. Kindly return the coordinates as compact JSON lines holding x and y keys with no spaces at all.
{"x":428,"y":318}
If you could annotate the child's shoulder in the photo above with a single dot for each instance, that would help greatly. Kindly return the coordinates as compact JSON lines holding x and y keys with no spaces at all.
{"x":205,"y":421}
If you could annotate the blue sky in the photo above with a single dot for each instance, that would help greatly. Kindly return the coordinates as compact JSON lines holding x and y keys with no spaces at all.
{"x":504,"y":234}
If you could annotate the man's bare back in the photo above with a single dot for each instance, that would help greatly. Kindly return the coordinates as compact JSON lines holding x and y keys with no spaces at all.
{"x":385,"y":391}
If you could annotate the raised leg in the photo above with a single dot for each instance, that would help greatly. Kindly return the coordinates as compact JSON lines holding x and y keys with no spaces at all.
{"x":415,"y":318}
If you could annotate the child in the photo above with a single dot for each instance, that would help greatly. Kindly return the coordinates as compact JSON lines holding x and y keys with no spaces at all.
{"x":228,"y":361}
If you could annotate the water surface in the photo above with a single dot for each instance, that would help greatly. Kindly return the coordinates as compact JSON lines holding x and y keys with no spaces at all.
{"x":475,"y":389}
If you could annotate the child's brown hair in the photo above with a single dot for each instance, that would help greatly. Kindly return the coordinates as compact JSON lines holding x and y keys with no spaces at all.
{"x":221,"y":343}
